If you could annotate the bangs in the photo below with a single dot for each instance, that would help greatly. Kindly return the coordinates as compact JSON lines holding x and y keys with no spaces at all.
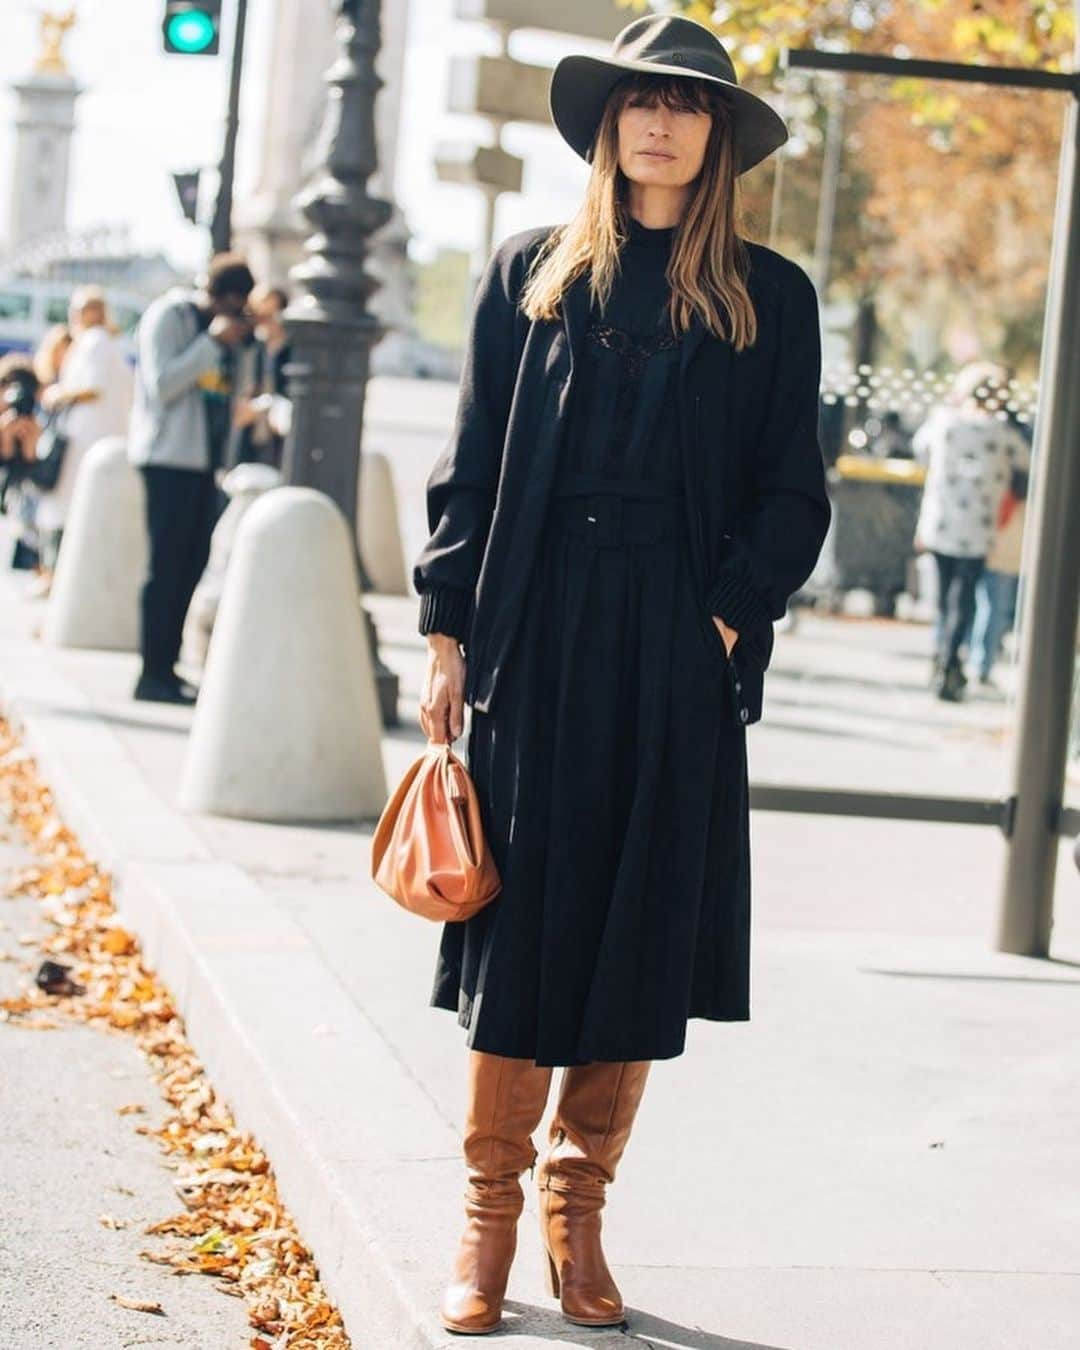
{"x":681,"y":93}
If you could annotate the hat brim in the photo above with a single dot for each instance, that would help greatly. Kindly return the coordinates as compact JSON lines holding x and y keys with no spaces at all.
{"x":580,"y":86}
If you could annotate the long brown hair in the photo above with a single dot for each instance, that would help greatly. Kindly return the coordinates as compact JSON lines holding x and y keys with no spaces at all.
{"x":709,"y":261}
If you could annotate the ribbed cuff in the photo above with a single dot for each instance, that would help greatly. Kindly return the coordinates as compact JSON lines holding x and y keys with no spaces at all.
{"x":737,"y":603}
{"x":446,"y":609}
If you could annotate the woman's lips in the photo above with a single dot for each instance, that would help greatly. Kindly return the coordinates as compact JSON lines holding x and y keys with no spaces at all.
{"x":656,"y":154}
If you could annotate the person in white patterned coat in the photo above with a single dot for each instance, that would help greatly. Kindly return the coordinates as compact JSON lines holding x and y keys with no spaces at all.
{"x":971,"y":452}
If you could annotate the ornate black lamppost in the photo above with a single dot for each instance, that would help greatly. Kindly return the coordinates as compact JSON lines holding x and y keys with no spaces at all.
{"x":330,"y":328}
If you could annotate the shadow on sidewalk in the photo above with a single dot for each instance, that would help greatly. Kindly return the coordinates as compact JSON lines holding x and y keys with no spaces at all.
{"x":654,"y":1333}
{"x":32,"y":706}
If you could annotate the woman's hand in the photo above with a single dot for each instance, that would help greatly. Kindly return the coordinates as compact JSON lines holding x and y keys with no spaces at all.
{"x":442,"y":699}
{"x":729,"y":635}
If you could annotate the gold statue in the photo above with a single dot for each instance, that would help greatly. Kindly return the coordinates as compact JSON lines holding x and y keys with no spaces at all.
{"x":54,"y":28}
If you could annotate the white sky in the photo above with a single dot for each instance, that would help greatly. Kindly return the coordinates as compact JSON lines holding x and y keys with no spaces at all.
{"x":144,"y":114}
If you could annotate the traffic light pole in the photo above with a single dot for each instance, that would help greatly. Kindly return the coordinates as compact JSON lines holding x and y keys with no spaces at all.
{"x":221,"y":225}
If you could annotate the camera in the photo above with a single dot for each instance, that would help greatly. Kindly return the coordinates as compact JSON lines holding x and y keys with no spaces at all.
{"x":21,"y":398}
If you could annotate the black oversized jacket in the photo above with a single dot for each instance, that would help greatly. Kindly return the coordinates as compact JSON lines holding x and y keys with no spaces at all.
{"x":754,"y":476}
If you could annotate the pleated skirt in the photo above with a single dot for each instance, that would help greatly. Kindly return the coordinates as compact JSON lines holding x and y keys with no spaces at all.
{"x":612,"y":776}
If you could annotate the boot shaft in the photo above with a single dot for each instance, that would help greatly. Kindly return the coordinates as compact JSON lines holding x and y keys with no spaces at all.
{"x":592,"y":1123}
{"x":505,"y":1101}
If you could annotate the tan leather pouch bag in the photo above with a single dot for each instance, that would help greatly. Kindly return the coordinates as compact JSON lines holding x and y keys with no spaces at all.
{"x":429,"y":852}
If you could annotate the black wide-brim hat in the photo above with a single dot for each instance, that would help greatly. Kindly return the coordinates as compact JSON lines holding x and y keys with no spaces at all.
{"x":660,"y":44}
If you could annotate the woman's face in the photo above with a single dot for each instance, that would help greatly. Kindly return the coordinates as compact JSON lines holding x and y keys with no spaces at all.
{"x":661,"y":146}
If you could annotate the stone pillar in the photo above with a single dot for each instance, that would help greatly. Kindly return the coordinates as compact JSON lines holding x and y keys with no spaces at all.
{"x":269,"y":225}
{"x":44,"y":122}
{"x":392,"y":303}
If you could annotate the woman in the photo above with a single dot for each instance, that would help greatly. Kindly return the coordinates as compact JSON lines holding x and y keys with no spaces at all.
{"x":971,"y":454}
{"x":92,"y":397}
{"x":52,"y":351}
{"x":47,"y":367}
{"x":633,"y":489}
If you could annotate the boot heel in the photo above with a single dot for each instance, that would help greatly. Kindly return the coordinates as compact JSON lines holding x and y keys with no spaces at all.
{"x":552,"y":1277}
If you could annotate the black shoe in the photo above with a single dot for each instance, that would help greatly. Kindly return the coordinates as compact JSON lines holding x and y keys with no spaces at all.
{"x":950,"y":685}
{"x":162,"y":689}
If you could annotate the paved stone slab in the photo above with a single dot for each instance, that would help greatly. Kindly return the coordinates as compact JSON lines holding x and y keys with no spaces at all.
{"x":885,"y":1156}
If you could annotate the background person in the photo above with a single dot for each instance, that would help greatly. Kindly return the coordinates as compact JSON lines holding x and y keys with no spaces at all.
{"x":970,"y":453}
{"x":91,"y":399}
{"x":50,"y":355}
{"x":20,"y":432}
{"x":179,"y":427}
{"x":258,"y":431}
{"x":999,"y":584}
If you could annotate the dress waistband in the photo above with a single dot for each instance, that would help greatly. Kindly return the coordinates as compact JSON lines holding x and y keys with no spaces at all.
{"x":613,"y":519}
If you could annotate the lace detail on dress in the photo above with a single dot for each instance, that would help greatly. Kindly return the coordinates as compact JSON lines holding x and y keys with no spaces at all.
{"x":633,"y":351}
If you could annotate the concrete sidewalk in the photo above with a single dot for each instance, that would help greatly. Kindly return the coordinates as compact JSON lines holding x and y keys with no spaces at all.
{"x":886,"y":1156}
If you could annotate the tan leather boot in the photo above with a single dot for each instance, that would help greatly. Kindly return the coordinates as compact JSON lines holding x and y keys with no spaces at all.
{"x":506,"y":1099}
{"x":589,"y":1131}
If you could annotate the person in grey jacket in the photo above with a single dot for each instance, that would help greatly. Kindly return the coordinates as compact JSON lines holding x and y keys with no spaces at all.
{"x":179,"y":423}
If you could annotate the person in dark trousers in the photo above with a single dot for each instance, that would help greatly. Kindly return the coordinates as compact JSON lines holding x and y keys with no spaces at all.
{"x":632,"y":491}
{"x":180,"y":423}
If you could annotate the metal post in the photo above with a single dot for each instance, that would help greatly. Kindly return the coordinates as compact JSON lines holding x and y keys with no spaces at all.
{"x":1051,"y":571}
{"x":836,"y":94}
{"x":221,"y":226}
{"x":330,"y":328}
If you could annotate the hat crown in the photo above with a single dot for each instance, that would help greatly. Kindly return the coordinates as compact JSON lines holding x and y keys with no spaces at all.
{"x":672,"y":40}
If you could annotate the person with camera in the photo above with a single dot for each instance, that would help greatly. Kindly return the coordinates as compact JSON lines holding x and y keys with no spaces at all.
{"x":20,"y":433}
{"x":19,"y":427}
{"x":180,"y":423}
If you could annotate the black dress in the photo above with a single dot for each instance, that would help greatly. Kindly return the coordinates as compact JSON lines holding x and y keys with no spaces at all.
{"x":611,"y":770}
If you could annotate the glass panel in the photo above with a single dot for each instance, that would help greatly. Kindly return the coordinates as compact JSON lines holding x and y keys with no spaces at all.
{"x":125,"y":318}
{"x":14,"y":306}
{"x":923,"y":211}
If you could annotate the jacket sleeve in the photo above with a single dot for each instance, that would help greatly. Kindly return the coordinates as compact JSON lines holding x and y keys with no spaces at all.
{"x":462,"y":484}
{"x":775,"y":545}
{"x":170,"y":365}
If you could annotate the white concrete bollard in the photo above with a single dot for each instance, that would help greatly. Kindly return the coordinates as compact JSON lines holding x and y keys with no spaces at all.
{"x":380,"y":529}
{"x":94,"y":601}
{"x":287,"y":725}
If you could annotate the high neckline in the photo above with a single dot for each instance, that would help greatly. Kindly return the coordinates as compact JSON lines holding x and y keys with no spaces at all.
{"x":648,"y":237}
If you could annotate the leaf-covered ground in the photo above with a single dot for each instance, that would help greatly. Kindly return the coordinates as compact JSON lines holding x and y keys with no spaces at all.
{"x":84,"y":968}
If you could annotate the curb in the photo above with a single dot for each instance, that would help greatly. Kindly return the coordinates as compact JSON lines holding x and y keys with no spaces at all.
{"x":278,"y":1034}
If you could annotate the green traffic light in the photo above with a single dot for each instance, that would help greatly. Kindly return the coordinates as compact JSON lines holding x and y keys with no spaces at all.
{"x":192,"y":32}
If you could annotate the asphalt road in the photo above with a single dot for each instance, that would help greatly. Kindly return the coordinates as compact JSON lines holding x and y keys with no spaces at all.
{"x":67,"y":1159}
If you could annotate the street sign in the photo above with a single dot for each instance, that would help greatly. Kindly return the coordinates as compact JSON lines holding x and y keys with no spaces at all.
{"x":487,"y":166}
{"x":600,"y":19}
{"x":499,"y":87}
{"x":187,"y":192}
